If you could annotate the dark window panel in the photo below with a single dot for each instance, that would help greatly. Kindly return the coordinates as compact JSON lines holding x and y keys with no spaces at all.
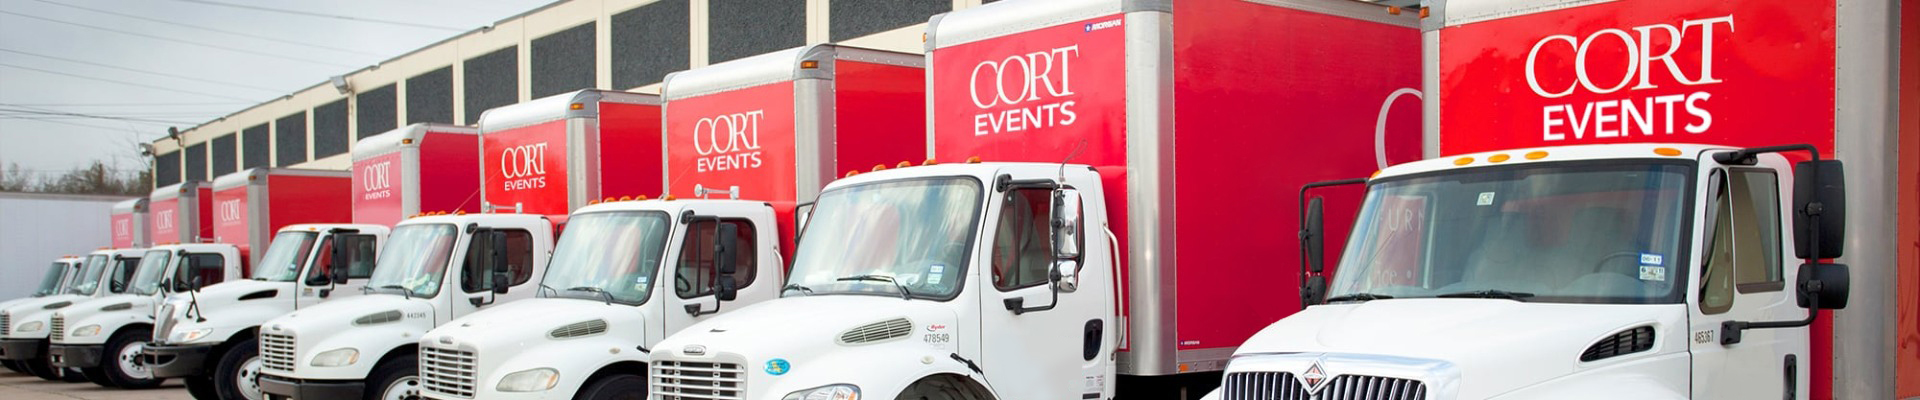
{"x":197,"y":161}
{"x":166,"y":169}
{"x":648,"y":42}
{"x":430,"y":97}
{"x":376,"y":111}
{"x":563,"y":61}
{"x":225,"y":155}
{"x":742,"y":28}
{"x":856,"y":18}
{"x":255,"y":151}
{"x":491,"y":80}
{"x":330,"y":129}
{"x":290,"y":139}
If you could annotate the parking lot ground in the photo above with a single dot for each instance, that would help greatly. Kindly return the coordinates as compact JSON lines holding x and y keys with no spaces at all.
{"x":15,"y":386}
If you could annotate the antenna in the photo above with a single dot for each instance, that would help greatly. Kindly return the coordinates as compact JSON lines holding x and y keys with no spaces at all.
{"x":1077,"y":148}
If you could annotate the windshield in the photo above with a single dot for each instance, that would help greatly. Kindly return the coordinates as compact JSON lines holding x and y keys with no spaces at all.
{"x":89,"y":278}
{"x":883,"y":237}
{"x":414,"y":259}
{"x":1569,"y":233}
{"x":153,"y":266}
{"x":283,"y":258}
{"x":615,"y":253}
{"x":50,"y":283}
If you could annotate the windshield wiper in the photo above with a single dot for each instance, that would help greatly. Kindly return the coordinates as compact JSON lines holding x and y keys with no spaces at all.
{"x":1489,"y":294}
{"x":544,"y":288}
{"x":1357,"y":297}
{"x":594,"y":290}
{"x":795,"y":286}
{"x":404,"y":291}
{"x":904,"y":293}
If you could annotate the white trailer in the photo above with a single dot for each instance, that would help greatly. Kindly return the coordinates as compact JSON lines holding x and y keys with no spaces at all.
{"x":42,"y":227}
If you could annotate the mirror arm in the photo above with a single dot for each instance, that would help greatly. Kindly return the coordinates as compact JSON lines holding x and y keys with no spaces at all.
{"x":1730,"y":330}
{"x":1305,"y":297}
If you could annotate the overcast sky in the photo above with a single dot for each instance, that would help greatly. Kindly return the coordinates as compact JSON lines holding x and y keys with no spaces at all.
{"x":113,"y":73}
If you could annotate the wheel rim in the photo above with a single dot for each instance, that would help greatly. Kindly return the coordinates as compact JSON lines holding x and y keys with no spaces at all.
{"x":130,"y":364}
{"x":407,"y":388}
{"x":247,"y":379}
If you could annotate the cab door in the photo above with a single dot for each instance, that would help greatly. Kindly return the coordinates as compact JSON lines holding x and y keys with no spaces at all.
{"x":1051,"y":352}
{"x":1741,"y":276}
{"x":517,"y":249}
{"x":694,"y":284}
{"x":356,"y":252}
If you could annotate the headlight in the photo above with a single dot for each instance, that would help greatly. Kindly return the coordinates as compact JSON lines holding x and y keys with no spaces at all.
{"x":34,"y":326}
{"x":532,"y":380}
{"x":188,"y":336}
{"x":88,"y":330}
{"x":336,"y":357}
{"x":828,"y":392}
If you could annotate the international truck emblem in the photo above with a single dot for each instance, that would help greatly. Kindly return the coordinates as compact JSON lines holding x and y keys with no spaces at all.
{"x":1313,"y":377}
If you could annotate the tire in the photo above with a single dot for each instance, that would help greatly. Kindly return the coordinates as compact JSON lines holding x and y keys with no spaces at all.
{"x":614,"y":387}
{"x":97,"y":376}
{"x":237,"y":375}
{"x":943,"y":387}
{"x":72,"y":375}
{"x":42,"y":366}
{"x":397,"y":378}
{"x":121,"y":360}
{"x":13,"y":366}
{"x":201,"y":387}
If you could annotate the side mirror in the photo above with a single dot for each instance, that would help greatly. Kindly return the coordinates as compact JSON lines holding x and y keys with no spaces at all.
{"x":195,"y":283}
{"x":1826,"y":283}
{"x":500,"y":282}
{"x":1313,"y":237}
{"x":1066,"y":224}
{"x":1313,"y":290}
{"x":801,"y":214}
{"x":726,"y":246}
{"x":496,"y":252}
{"x":1827,"y":200}
{"x":726,"y":289}
{"x":341,"y":259}
{"x":1065,"y":275}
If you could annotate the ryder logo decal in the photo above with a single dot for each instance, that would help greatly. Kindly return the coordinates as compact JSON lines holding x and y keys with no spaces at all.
{"x":524,"y":167}
{"x":1629,"y":65}
{"x":728,"y":142}
{"x":376,"y":181}
{"x":1024,"y":91}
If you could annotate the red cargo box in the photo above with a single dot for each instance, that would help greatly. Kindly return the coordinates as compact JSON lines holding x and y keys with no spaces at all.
{"x":554,"y":154}
{"x":251,"y":205}
{"x":128,"y":222}
{"x":778,"y":126}
{"x":181,"y":213}
{"x":417,"y":168}
{"x":1205,"y":117}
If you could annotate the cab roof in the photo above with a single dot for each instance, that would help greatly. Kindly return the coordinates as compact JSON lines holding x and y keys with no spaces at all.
{"x":1677,"y":151}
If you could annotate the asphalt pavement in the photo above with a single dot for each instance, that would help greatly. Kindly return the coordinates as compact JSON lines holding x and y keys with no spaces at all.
{"x":17,"y":386}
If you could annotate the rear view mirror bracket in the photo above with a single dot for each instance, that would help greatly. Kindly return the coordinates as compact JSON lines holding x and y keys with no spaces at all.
{"x":1312,"y":234}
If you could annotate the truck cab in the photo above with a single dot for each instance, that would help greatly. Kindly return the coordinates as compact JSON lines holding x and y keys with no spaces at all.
{"x":924,"y":281}
{"x":23,"y":322}
{"x":1620,"y":271}
{"x":103,"y":337}
{"x":607,"y":298}
{"x":209,"y":338}
{"x":432,"y":269}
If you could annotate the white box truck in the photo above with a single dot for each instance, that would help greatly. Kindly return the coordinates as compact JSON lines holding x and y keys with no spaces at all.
{"x":103,"y":337}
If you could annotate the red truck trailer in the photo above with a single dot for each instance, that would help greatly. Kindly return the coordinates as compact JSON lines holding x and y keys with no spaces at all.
{"x":129,"y":224}
{"x":793,"y":120}
{"x":554,"y":154}
{"x":251,"y":205}
{"x":414,"y":169}
{"x":181,"y":213}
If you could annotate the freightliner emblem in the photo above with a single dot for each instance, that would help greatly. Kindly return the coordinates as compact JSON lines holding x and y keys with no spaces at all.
{"x":695,"y":350}
{"x":1313,"y":377}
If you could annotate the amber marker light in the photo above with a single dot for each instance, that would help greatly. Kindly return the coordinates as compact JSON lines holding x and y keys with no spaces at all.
{"x":809,"y":64}
{"x":1463,"y":161}
{"x":576,"y":106}
{"x":1667,"y":151}
{"x":1497,"y":158}
{"x":1536,"y":155}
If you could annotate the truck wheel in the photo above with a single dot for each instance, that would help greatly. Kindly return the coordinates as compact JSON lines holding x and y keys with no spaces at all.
{"x":13,"y":366}
{"x":237,"y":375}
{"x":615,"y":387}
{"x":121,"y":360}
{"x":395,"y":379}
{"x":42,"y":366}
{"x":97,"y":375}
{"x":202,"y":388}
{"x":943,"y":387}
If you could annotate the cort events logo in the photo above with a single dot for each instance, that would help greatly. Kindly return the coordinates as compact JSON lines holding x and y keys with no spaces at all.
{"x":376,"y":180}
{"x":524,"y":167}
{"x":1034,"y":84}
{"x":728,"y":142}
{"x":1646,"y":115}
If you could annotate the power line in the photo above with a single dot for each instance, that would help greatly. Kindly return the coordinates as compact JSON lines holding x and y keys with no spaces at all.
{"x":209,"y":29}
{"x":151,"y":36}
{"x":121,"y":82}
{"x":214,"y":103}
{"x":324,"y":15}
{"x":121,"y":130}
{"x":36,"y":114}
{"x":144,"y":71}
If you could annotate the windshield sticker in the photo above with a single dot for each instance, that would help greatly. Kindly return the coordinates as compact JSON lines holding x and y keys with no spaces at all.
{"x":1653,"y":273}
{"x":1486,"y":199}
{"x":1652,"y":259}
{"x":935,"y":272}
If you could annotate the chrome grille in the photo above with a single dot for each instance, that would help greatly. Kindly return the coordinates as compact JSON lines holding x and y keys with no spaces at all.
{"x":165,"y":319}
{"x":1283,"y":386}
{"x":277,"y":352}
{"x":59,"y":326}
{"x":448,"y":371}
{"x":687,"y":380}
{"x":6,"y":324}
